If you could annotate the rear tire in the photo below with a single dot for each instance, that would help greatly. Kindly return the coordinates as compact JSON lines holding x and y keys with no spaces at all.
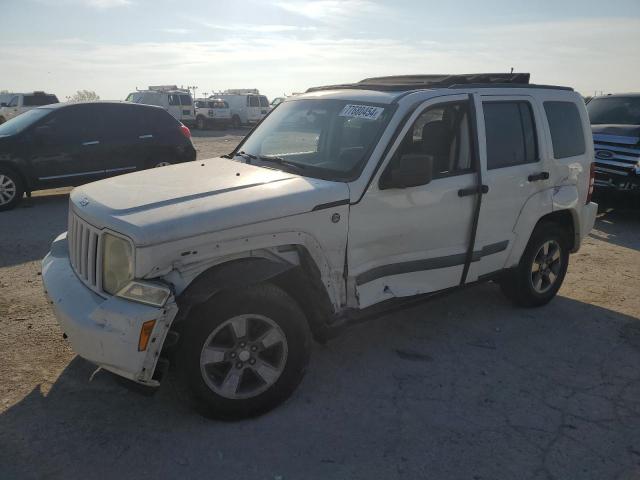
{"x":244,"y":352}
{"x":542,"y":268}
{"x":235,"y":122}
{"x":201,"y":124}
{"x":11,"y":188}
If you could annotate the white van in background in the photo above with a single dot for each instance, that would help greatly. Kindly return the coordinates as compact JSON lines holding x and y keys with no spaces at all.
{"x":177,"y":102}
{"x":212,"y":112}
{"x":247,"y":106}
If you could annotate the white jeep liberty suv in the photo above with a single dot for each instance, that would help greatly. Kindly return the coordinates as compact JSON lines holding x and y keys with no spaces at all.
{"x":344,"y":202}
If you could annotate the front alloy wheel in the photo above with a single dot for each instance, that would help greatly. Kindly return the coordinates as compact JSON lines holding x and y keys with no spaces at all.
{"x":244,"y":356}
{"x":11,"y":189}
{"x":245,"y":351}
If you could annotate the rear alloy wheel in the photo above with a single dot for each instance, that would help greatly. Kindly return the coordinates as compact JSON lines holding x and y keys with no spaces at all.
{"x":539,"y":275}
{"x":244,"y":352}
{"x":11,"y":189}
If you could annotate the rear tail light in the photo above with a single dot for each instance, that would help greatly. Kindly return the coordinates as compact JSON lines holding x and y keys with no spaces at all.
{"x":592,"y":179}
{"x":185,"y":131}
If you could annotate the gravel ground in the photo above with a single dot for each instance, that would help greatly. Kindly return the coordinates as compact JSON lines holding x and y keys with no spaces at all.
{"x":466,"y":386}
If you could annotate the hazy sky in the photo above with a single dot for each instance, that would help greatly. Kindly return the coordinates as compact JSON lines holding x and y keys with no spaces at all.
{"x":280,"y":46}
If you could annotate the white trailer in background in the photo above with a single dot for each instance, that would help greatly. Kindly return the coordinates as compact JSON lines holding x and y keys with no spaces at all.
{"x":247,"y":106}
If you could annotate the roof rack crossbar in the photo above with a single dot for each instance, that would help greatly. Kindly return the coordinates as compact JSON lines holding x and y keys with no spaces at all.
{"x":403,"y":83}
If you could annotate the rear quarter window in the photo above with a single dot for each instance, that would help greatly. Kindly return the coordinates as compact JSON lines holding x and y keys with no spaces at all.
{"x":39,"y":100}
{"x":565,"y":125}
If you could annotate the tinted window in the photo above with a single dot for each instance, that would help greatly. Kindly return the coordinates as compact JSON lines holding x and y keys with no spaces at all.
{"x":186,"y":100}
{"x":254,"y":102}
{"x":566,"y":129}
{"x":511,"y":134}
{"x":79,"y":123}
{"x":219,"y":104}
{"x":614,"y":110}
{"x":264,"y":102}
{"x":129,"y":98}
{"x":174,"y":99}
{"x":442,"y":133}
{"x":39,"y":100}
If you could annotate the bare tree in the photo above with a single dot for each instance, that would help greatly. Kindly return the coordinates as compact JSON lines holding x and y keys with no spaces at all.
{"x":83,"y":96}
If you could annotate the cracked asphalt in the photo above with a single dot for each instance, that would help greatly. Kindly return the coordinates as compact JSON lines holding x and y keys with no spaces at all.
{"x":462,"y":387}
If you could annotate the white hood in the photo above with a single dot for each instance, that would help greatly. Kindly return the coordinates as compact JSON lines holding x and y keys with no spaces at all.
{"x":178,"y":201}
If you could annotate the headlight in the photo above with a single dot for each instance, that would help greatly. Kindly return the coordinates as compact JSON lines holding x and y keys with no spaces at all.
{"x":146,"y":292}
{"x":117,"y":263}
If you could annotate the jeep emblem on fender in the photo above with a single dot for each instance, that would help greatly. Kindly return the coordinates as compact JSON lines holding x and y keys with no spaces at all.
{"x":604,"y":154}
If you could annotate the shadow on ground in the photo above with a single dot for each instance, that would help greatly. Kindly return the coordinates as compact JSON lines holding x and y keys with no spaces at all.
{"x":466,"y":386}
{"x":616,"y":213}
{"x":27,"y":231}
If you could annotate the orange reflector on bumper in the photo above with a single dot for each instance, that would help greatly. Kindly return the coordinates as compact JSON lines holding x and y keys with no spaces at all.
{"x":145,"y":334}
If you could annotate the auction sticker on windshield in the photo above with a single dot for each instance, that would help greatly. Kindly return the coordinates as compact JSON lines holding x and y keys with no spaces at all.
{"x":362,"y":111}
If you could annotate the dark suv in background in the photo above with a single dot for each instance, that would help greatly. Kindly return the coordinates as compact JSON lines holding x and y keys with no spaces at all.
{"x":615,"y":123}
{"x":71,"y":144}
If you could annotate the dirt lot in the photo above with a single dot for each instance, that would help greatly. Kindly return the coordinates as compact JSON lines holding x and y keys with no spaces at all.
{"x":464,"y":387}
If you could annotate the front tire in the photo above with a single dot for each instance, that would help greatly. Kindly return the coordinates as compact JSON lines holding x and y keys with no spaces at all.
{"x":245,"y":352}
{"x":542,"y":268}
{"x":11,"y":188}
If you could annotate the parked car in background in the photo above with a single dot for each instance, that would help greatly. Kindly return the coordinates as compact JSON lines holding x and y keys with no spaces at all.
{"x":247,"y":106}
{"x":615,"y":123}
{"x":212,"y":112}
{"x":343,"y":202}
{"x":71,"y":144}
{"x":177,"y":102}
{"x":23,"y":102}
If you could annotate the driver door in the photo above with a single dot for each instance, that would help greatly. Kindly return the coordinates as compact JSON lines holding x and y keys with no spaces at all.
{"x":413,"y":240}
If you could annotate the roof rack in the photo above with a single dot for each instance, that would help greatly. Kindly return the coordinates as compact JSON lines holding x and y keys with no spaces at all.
{"x":416,"y":82}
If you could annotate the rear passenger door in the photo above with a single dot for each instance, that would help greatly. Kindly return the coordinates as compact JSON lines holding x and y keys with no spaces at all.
{"x":123,"y":140}
{"x":514,"y":170}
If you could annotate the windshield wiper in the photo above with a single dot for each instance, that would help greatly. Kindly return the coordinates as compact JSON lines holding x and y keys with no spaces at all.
{"x":247,"y":156}
{"x":281,"y":161}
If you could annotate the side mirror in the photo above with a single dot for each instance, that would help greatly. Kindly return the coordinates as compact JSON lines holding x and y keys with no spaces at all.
{"x":409,"y":170}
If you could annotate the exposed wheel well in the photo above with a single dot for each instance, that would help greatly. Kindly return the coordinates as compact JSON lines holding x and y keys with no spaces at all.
{"x":564,"y":219}
{"x":302,"y":282}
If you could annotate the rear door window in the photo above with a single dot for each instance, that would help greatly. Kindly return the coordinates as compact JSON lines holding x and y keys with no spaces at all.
{"x":566,"y":129}
{"x":254,"y":101}
{"x":264,"y":102}
{"x":510,"y":134}
{"x":186,"y":100}
{"x":174,"y":99}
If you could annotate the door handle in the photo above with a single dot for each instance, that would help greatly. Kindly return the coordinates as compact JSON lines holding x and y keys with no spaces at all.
{"x":142,"y":137}
{"x":538,"y":176}
{"x":465,"y":192}
{"x":94,"y":142}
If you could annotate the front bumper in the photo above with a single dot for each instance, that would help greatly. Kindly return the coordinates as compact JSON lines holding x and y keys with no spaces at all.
{"x":617,"y":181}
{"x":104,"y":331}
{"x":588,"y":220}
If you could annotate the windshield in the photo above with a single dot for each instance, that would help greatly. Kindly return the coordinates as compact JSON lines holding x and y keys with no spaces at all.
{"x":327,"y":138}
{"x":19,"y":123}
{"x":614,"y":110}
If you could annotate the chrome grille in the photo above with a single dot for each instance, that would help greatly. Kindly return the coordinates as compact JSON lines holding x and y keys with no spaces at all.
{"x":623,"y":154}
{"x":85,"y":243}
